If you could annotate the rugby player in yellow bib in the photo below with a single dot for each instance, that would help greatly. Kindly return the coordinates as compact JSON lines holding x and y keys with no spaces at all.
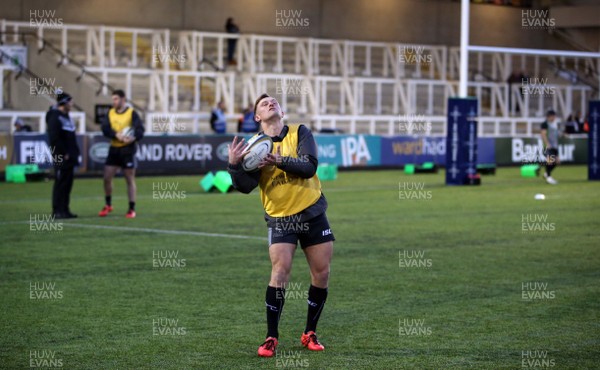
{"x":290,"y":192}
{"x":121,"y":153}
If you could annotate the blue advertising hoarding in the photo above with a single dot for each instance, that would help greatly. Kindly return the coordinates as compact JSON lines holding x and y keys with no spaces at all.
{"x":349,"y":150}
{"x":33,"y":148}
{"x":402,"y":150}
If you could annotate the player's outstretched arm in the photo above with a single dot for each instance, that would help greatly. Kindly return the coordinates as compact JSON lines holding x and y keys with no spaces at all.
{"x":243,"y":181}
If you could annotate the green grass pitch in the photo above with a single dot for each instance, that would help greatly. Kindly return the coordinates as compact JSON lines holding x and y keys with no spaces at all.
{"x":424,"y":276}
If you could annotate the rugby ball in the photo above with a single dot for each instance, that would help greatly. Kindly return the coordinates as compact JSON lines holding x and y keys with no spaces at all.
{"x":258,"y":148}
{"x":127,"y":131}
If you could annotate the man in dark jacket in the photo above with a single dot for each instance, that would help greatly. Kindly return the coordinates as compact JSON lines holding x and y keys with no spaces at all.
{"x":231,"y":27}
{"x":65,"y":153}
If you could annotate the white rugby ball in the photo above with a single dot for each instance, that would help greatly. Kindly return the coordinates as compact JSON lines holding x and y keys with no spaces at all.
{"x":258,"y":148}
{"x":127,"y":131}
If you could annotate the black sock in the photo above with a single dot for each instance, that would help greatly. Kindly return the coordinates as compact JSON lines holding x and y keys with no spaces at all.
{"x":108,"y":200}
{"x":132,"y":206}
{"x":549,"y":168}
{"x":316,"y":302}
{"x":274,"y":301}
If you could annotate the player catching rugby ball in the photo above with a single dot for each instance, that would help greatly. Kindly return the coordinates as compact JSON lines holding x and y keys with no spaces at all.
{"x":290,"y":192}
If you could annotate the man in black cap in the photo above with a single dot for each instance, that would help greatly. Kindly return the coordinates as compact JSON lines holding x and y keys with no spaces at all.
{"x":65,"y":153}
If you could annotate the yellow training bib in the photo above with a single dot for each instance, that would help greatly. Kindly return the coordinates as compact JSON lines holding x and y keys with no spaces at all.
{"x":118,"y":122}
{"x":283,"y":194}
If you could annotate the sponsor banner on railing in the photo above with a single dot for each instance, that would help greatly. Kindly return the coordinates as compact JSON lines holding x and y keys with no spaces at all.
{"x":169,"y":154}
{"x":349,"y":150}
{"x":514,"y":151}
{"x":342,"y":150}
{"x":199,"y":154}
{"x":400,"y":150}
{"x":6,"y":150}
{"x":34,"y":149}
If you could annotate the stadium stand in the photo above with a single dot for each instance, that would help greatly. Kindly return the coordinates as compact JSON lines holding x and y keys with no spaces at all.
{"x":352,"y":86}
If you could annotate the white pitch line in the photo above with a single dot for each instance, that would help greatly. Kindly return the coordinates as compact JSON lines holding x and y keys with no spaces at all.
{"x":149,"y":230}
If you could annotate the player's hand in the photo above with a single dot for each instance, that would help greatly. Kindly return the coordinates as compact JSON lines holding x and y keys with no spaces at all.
{"x":128,"y":139}
{"x":236,"y":150}
{"x":272,"y":159}
{"x":119,"y":136}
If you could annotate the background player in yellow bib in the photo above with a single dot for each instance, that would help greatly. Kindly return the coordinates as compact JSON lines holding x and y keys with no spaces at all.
{"x":290,"y":192}
{"x":121,"y":154}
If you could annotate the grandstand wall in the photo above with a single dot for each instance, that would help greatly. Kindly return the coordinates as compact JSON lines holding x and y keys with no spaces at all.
{"x":374,"y":20}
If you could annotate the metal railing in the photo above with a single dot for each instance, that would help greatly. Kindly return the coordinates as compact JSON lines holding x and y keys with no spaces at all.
{"x":12,"y":116}
{"x":356,"y":79}
{"x":110,"y":46}
{"x":66,"y":59}
{"x":423,"y":125}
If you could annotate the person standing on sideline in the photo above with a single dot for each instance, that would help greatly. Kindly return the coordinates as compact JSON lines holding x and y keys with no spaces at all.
{"x":550,"y":132}
{"x":125,"y":128}
{"x":21,"y":127}
{"x":218,"y":122}
{"x":247,"y":124}
{"x":65,"y":154}
{"x":572,"y":125}
{"x":231,"y":27}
